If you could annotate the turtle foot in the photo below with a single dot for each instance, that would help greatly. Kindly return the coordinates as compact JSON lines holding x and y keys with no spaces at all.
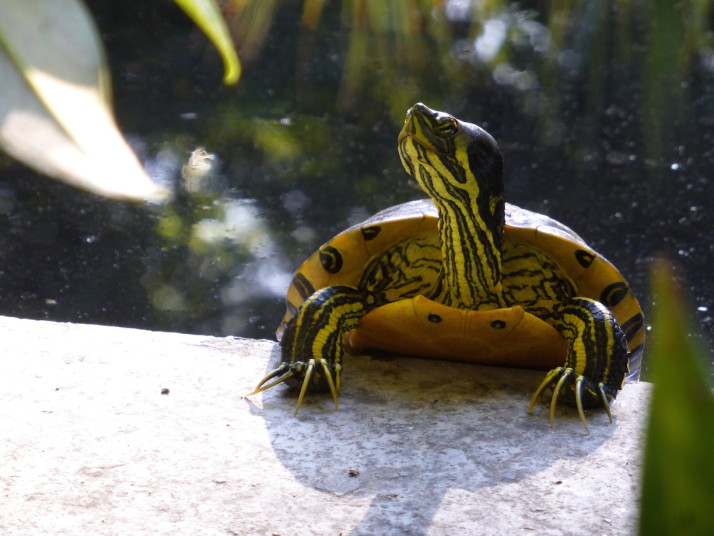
{"x":564,"y":377}
{"x":319,"y":372}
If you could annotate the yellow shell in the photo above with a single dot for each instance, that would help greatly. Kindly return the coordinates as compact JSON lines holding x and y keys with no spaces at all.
{"x":422,"y":327}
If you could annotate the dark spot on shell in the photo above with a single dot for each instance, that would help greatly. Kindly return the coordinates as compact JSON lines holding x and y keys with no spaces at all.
{"x":633,"y":325}
{"x":303,"y":286}
{"x":370,"y":233}
{"x":584,"y":258}
{"x":291,"y":308}
{"x":331,"y":259}
{"x":614,"y":294}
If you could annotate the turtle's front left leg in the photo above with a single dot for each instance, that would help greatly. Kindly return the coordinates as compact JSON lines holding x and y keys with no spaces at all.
{"x":313,"y":345}
{"x":597,"y":361}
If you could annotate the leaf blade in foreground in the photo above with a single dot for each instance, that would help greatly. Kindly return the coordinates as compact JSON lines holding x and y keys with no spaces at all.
{"x":678,"y":483}
{"x":55,"y":114}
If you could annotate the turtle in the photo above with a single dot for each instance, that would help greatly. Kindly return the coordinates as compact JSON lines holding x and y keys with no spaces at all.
{"x":462,"y":275}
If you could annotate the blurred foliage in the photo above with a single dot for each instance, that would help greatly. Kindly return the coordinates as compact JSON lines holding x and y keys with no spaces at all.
{"x":55,"y":104}
{"x":207,"y":16}
{"x":55,"y":109}
{"x":678,"y":484}
{"x":392,"y":50}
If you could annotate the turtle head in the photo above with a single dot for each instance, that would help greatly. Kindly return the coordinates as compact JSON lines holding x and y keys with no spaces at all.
{"x":446,"y":155}
{"x":456,"y":163}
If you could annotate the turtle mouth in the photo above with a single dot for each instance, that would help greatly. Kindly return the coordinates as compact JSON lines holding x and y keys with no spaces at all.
{"x":419,"y":118}
{"x":420,"y":126}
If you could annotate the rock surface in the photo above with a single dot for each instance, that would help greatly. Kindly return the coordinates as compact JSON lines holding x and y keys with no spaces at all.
{"x":119,"y":431}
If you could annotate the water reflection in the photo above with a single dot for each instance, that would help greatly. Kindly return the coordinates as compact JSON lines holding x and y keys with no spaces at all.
{"x":216,"y":254}
{"x":604,"y":113}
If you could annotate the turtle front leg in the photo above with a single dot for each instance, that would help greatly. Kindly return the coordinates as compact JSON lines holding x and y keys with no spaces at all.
{"x":312,"y":345}
{"x":597,"y":361}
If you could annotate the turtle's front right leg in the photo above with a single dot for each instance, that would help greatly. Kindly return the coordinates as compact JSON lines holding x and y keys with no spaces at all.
{"x":312,"y":345}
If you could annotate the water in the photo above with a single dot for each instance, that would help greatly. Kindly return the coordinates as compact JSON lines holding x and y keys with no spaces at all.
{"x":604,"y":125}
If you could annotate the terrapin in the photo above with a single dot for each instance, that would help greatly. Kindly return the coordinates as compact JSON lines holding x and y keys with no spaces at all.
{"x":462,"y":276}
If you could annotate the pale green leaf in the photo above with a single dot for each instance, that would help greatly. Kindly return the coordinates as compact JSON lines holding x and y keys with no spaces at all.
{"x":55,"y":114}
{"x":678,"y":484}
{"x":207,"y":16}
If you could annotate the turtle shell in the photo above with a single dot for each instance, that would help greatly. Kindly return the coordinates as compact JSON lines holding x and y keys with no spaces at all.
{"x":421,"y":327}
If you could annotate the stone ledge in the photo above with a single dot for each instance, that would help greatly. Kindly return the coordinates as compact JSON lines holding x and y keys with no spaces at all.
{"x":91,"y":445}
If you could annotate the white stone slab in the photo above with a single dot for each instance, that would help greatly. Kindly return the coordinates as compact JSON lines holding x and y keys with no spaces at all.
{"x":89,"y":444}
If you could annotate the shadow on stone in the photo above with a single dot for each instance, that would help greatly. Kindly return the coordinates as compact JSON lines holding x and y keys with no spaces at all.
{"x":410,"y":431}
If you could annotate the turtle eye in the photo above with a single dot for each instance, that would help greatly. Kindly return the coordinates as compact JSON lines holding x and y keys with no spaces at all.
{"x":447,"y":128}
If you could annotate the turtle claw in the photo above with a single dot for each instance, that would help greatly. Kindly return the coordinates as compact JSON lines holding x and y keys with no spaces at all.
{"x":549,"y":378}
{"x":272,"y":374}
{"x":305,"y":383}
{"x":603,"y":398}
{"x":334,"y":389}
{"x":564,"y":376}
{"x":579,"y":402}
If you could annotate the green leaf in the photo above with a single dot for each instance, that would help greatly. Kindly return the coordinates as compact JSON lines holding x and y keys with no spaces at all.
{"x":678,"y":485}
{"x":55,"y":114}
{"x":207,"y":16}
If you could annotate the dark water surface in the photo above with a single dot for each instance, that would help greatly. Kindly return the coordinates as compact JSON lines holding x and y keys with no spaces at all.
{"x":605,"y":117}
